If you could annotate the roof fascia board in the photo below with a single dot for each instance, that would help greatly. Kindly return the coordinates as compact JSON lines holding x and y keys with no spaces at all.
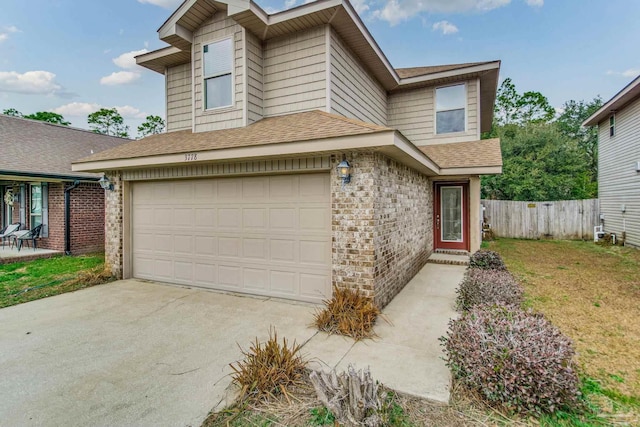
{"x":368,"y":140}
{"x":169,"y":24}
{"x":476,"y":170}
{"x":30,"y":176}
{"x":414,"y":152}
{"x":614,"y":103}
{"x":451,"y":73}
{"x":157,"y":54}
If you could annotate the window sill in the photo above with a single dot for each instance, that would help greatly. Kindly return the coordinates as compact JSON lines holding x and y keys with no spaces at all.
{"x":219,"y":109}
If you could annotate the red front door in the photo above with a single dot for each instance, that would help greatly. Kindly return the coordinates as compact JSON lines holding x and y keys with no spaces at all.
{"x":451,"y":216}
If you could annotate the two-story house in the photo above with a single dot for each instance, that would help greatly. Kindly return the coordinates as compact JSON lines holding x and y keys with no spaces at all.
{"x":296,"y":157}
{"x":618,"y":124}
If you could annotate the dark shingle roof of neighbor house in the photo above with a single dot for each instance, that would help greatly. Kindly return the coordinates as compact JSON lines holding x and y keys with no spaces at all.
{"x":405,"y":73}
{"x":483,"y":153}
{"x":307,"y":126}
{"x":36,"y":148}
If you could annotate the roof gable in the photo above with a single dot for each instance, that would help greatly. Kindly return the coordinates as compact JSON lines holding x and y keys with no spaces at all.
{"x":628,"y":94}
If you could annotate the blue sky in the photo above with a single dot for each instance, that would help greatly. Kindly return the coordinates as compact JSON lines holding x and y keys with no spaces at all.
{"x":74,"y":56}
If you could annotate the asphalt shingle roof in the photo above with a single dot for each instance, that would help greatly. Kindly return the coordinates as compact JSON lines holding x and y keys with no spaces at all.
{"x":483,"y":153}
{"x":310,"y":125}
{"x":36,"y":147}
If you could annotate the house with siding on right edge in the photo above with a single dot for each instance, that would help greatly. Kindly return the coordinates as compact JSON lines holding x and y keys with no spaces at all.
{"x":249,"y":191}
{"x":618,"y":124}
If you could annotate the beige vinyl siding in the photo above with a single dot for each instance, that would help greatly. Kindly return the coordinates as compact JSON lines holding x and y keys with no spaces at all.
{"x":618,"y":181}
{"x":254,"y":78}
{"x":179,"y":101}
{"x":295,"y":73}
{"x":412,"y":112}
{"x":354,"y":92}
{"x":217,"y":28}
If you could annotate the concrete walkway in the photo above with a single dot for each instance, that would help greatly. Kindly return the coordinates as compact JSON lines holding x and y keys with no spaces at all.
{"x":406,"y":355}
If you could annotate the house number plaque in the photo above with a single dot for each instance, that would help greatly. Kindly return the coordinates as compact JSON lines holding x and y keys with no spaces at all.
{"x":190,"y":157}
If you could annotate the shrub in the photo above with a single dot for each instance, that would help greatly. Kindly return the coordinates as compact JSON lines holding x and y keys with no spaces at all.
{"x":488,"y":260}
{"x":268,"y":369}
{"x":488,"y":287}
{"x":513,"y":357}
{"x":349,"y":313}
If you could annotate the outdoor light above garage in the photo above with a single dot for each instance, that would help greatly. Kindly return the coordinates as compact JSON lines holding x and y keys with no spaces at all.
{"x":344,"y":172}
{"x":105,"y":183}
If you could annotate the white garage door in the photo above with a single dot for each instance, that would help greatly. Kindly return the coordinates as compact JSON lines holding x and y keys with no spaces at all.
{"x":268,"y":235}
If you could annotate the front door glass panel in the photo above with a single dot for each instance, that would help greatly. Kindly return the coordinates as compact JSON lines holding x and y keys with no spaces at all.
{"x":451,"y":214}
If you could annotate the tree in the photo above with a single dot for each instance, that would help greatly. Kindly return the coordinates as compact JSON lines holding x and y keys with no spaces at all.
{"x":12,"y":112}
{"x":47,"y":116}
{"x":540,"y":163}
{"x":514,"y":108}
{"x":108,"y":121}
{"x":151,"y":126}
{"x":570,"y":124}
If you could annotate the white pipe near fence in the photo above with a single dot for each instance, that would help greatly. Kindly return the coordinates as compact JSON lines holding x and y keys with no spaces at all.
{"x":566,"y":219}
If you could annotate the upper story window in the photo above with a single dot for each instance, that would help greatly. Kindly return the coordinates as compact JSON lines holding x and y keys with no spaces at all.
{"x":217,"y":72}
{"x":451,"y":104}
{"x":612,"y":125}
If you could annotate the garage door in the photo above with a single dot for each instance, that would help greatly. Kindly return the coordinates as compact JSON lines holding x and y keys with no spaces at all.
{"x":268,"y":235}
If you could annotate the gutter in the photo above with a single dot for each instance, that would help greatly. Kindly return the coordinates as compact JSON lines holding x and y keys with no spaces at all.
{"x":38,"y":175}
{"x":67,"y":217}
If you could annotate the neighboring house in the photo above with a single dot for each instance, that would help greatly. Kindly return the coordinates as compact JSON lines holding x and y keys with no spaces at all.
{"x":261,"y":109}
{"x":618,"y":124}
{"x":36,"y":176}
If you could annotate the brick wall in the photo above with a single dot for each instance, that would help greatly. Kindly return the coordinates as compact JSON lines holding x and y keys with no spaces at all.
{"x":87,"y":217}
{"x":382,"y":225}
{"x":113,"y":227}
{"x":353,"y":224}
{"x":404,"y":227}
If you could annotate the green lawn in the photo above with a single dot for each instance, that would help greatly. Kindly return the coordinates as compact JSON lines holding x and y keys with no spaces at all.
{"x":27,"y":281}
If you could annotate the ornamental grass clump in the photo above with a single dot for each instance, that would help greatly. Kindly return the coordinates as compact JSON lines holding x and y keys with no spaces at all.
{"x":514,"y":358}
{"x":268,"y":369}
{"x":348,"y":312}
{"x":488,"y":287}
{"x":487,"y":260}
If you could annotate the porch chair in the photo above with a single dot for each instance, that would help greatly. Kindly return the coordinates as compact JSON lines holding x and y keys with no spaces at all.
{"x":30,"y":236}
{"x":7,"y":232}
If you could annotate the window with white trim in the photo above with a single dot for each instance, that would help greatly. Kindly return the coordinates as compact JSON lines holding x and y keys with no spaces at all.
{"x":612,"y":125}
{"x":38,"y":207}
{"x":451,"y":106}
{"x":217,"y":59}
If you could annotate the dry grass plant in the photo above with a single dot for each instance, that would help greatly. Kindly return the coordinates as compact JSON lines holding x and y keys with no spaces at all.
{"x":268,"y":369}
{"x":348,"y":312}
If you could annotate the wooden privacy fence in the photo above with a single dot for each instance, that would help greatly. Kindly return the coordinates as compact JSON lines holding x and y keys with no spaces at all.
{"x":566,"y":219}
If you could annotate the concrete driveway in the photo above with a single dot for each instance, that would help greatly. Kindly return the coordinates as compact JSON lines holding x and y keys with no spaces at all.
{"x":144,"y":354}
{"x":130,"y":353}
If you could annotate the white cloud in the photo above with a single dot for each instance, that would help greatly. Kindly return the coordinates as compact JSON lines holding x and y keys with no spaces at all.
{"x":129,"y":112}
{"x":120,"y":78}
{"x":167,"y":4}
{"x":83,"y":109}
{"x":445,"y":27}
{"x":4,"y":34}
{"x":360,"y":6}
{"x":396,"y":11}
{"x":77,"y":109}
{"x":630,"y":73}
{"x":31,"y":82}
{"x":288,"y":4}
{"x":127,"y":60}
